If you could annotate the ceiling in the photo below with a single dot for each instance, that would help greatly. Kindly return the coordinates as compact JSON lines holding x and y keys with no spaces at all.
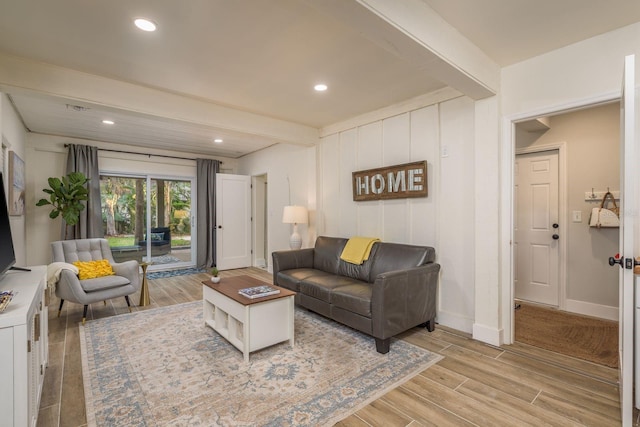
{"x":259,"y":57}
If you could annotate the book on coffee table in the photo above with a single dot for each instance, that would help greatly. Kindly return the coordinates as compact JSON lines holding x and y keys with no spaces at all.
{"x":258,"y":291}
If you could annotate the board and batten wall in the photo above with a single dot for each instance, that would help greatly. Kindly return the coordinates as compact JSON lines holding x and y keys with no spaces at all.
{"x":443,"y":135}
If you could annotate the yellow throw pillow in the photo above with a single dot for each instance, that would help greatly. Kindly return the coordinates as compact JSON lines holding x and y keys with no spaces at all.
{"x":93,"y":269}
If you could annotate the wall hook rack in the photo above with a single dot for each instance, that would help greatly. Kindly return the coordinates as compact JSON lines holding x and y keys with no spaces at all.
{"x":596,"y":196}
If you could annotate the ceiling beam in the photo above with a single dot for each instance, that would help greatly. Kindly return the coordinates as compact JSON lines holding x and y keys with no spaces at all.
{"x":19,"y":74}
{"x":416,"y":33}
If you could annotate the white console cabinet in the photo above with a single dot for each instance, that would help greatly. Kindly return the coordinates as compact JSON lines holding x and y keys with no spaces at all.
{"x":24,"y":351}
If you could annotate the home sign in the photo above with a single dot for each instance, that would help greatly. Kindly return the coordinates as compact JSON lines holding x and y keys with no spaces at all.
{"x":392,"y":182}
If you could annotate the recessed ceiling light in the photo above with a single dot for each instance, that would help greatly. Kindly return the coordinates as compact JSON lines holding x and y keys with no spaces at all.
{"x":321,"y":87}
{"x":217,"y":141}
{"x":145,"y":24}
{"x":108,"y":122}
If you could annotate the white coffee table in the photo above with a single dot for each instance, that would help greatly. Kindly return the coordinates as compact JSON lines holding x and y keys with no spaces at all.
{"x":248,"y":324}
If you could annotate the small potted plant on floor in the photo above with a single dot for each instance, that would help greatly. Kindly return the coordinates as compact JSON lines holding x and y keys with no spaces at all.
{"x":214,"y":275}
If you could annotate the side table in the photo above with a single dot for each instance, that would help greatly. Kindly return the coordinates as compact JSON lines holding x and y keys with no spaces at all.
{"x":144,"y":292}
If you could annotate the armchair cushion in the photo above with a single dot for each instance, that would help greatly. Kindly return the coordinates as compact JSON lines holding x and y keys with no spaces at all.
{"x":93,"y":269}
{"x":103,"y":283}
{"x":156,"y":237}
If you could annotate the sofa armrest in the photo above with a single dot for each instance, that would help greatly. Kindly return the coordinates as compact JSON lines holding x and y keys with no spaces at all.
{"x":403,"y":299}
{"x":287,"y":260}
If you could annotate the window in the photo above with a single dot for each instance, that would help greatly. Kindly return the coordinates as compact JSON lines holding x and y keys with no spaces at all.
{"x":148,"y":218}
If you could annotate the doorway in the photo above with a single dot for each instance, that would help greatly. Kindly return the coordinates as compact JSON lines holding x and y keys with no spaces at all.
{"x":149,"y":218}
{"x":587,"y":143}
{"x":259,"y":185}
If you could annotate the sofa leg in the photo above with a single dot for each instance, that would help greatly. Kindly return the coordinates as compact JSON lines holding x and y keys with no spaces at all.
{"x":431,"y":325}
{"x":84,"y":313}
{"x":126,"y":297}
{"x":60,"y":308}
{"x":382,"y":345}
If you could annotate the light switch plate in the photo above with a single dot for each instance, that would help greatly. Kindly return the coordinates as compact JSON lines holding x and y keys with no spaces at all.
{"x":577,"y":216}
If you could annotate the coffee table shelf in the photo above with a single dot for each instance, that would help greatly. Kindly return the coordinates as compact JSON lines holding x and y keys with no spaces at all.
{"x":248,"y":324}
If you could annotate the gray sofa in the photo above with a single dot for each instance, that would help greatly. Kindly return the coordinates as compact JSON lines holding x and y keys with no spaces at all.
{"x":391,"y":292}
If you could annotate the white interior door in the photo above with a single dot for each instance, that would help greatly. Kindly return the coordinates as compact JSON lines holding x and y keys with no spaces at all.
{"x":628,"y":229}
{"x":536,"y":227}
{"x":233,"y":217}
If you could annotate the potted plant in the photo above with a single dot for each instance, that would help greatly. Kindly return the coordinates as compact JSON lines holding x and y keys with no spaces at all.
{"x":214,"y":275}
{"x":66,"y":196}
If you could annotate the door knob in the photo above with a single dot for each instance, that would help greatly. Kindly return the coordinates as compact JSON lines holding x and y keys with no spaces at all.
{"x":219,"y":226}
{"x":555,"y":237}
{"x":613,"y":261}
{"x":555,"y":226}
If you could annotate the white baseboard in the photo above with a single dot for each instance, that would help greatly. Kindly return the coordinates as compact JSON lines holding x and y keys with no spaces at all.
{"x":455,"y":321}
{"x":488,"y":334}
{"x":591,"y":309}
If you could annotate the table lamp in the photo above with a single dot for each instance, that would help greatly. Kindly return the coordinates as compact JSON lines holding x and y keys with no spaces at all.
{"x":295,"y":215}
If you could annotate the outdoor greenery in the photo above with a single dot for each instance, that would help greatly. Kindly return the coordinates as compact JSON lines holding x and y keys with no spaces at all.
{"x":123,"y":201}
{"x":117,"y":241}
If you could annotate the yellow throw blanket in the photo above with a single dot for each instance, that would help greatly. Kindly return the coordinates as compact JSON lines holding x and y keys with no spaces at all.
{"x":357,"y":249}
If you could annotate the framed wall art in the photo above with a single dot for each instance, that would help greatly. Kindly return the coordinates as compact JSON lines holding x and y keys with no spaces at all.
{"x":391,"y":182}
{"x":16,"y":184}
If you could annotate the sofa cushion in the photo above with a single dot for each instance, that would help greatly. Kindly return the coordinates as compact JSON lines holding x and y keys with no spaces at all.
{"x":321,"y":286}
{"x":326,"y":256}
{"x":360,"y":272}
{"x":290,"y":279}
{"x":355,"y":297}
{"x":396,"y":256}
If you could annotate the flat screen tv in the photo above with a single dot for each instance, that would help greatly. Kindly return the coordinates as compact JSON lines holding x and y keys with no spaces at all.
{"x":7,"y":253}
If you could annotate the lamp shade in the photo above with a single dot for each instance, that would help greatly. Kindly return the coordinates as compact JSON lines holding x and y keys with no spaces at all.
{"x":295,"y":215}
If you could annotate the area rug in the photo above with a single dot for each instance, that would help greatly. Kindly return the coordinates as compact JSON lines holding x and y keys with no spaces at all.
{"x":164,"y":367}
{"x":173,"y":273}
{"x":583,"y":337}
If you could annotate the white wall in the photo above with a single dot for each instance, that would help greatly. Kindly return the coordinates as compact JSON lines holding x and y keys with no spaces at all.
{"x":13,"y":134}
{"x":46,"y":156}
{"x":577,"y":75}
{"x":285,"y":165}
{"x":579,"y":72}
{"x":444,"y":220}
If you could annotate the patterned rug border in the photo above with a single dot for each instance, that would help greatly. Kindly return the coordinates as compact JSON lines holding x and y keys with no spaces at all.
{"x":336,"y":417}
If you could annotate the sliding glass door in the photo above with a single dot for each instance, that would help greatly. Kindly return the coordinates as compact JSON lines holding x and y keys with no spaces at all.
{"x":149,"y":218}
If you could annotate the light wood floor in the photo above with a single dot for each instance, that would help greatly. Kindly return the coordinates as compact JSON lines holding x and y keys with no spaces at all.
{"x":475,"y":384}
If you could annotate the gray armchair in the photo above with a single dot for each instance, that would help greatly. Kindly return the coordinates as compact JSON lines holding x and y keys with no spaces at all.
{"x":125,"y":282}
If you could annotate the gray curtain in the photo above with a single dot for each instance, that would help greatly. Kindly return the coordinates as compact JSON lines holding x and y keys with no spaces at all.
{"x":84,"y":158}
{"x":206,"y":170}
